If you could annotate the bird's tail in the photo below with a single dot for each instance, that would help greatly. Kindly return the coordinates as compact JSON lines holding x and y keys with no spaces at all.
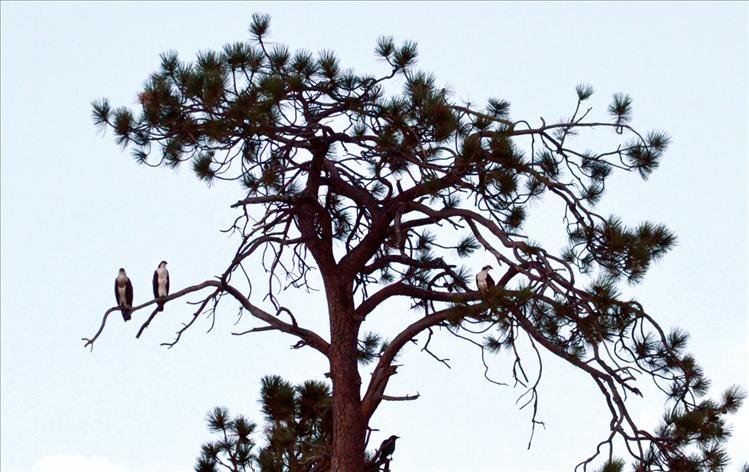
{"x":126,"y":314}
{"x":161,"y":306}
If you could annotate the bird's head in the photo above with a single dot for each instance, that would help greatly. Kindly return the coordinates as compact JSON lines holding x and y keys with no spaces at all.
{"x":394,"y":437}
{"x":122,"y":271}
{"x":486,"y":267}
{"x":162,"y":264}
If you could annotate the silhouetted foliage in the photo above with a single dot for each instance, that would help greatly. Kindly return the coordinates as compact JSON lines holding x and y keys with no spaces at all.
{"x":296,"y":436}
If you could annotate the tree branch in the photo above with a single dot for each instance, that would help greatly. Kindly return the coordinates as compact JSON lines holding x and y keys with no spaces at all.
{"x":403,"y":398}
{"x":307,"y":337}
{"x":185,"y":291}
{"x":383,"y":371}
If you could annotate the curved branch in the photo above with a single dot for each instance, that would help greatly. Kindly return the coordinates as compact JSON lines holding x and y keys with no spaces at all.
{"x":306,"y":337}
{"x":401,"y":289}
{"x":185,"y":291}
{"x":383,"y":371}
{"x":148,"y":322}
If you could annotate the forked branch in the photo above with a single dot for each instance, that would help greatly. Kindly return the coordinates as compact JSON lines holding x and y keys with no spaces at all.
{"x":307,"y":337}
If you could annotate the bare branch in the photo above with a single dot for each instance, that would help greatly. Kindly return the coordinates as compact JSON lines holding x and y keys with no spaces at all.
{"x":382,"y":372}
{"x":185,"y":291}
{"x":403,"y":398}
{"x":309,"y":337}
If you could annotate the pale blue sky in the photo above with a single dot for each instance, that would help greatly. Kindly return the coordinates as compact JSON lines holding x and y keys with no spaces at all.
{"x":75,"y":208}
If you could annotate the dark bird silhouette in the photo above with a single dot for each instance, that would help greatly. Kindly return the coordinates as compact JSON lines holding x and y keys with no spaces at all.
{"x":161,"y":283}
{"x":386,"y":450}
{"x":484,"y":281}
{"x":123,"y":293}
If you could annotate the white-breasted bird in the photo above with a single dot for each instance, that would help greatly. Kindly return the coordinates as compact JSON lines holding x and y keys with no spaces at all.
{"x":161,"y":283}
{"x":484,"y":281}
{"x":123,"y":293}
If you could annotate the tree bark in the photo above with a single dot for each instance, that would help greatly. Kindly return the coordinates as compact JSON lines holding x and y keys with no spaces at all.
{"x":349,"y":425}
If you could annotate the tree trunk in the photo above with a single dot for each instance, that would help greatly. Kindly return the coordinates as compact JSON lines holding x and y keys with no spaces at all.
{"x":349,"y":426}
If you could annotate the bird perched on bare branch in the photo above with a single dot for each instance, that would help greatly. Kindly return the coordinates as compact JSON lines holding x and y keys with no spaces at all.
{"x":384,"y":453}
{"x":123,"y":293}
{"x":161,"y":283}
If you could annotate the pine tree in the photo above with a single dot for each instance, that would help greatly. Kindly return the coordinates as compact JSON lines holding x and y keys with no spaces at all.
{"x":376,"y":194}
{"x":299,"y":427}
{"x":297,"y":434}
{"x":234,"y":448}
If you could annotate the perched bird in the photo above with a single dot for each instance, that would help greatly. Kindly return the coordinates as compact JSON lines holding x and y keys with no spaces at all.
{"x":484,"y":281}
{"x":123,"y":293}
{"x":161,"y":283}
{"x":387,"y":448}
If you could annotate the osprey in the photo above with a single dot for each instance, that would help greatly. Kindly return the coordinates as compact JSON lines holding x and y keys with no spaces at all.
{"x":161,"y":283}
{"x":484,"y":281}
{"x":123,"y":293}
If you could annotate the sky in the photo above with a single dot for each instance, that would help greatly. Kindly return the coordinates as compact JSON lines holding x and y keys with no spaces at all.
{"x":75,"y":208}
